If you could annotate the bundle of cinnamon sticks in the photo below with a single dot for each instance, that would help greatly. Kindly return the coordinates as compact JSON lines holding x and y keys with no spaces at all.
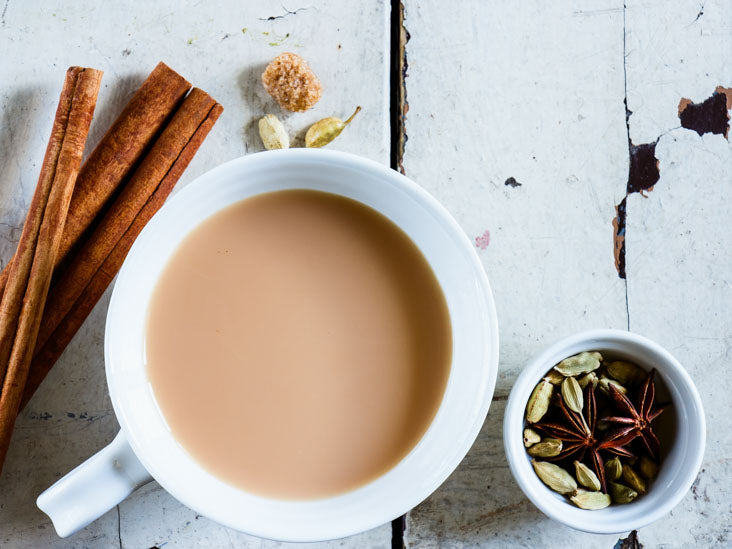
{"x":83,"y":219}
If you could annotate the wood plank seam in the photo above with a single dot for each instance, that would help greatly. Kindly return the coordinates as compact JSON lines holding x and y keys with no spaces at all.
{"x":398,"y":92}
{"x":398,"y":108}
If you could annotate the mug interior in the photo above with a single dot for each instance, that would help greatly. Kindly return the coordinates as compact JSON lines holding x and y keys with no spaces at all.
{"x":683,"y":427}
{"x":472,"y":372}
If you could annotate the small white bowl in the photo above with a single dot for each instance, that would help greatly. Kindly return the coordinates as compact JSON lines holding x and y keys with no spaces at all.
{"x":683,"y":456}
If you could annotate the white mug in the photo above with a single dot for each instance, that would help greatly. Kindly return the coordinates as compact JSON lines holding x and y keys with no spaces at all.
{"x":145,"y":449}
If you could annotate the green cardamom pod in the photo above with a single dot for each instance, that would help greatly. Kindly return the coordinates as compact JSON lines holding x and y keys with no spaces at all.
{"x":621,"y":493}
{"x":648,"y":468}
{"x":590,"y":500}
{"x":613,"y":468}
{"x":633,"y":479}
{"x":549,"y":447}
{"x":626,"y":373}
{"x":539,"y":401}
{"x":572,"y":394}
{"x":579,"y":364}
{"x":586,"y":476}
{"x":273,"y":133}
{"x":531,"y":437}
{"x":554,"y":477}
{"x":326,"y":130}
{"x":587,"y":378}
{"x":554,"y":377}
{"x":605,"y":382}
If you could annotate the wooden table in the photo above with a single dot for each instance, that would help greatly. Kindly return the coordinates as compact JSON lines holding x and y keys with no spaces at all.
{"x":539,"y":126}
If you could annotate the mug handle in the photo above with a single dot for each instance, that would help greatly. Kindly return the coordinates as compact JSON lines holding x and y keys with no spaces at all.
{"x":94,"y":487}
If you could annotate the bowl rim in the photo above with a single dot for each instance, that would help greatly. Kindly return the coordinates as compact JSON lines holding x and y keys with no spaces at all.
{"x":397,"y":503}
{"x":516,"y":453}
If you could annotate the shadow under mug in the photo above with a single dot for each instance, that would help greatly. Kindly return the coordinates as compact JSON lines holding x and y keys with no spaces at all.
{"x":145,"y":449}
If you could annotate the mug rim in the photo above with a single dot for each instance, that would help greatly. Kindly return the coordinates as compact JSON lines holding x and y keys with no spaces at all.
{"x":478,"y":408}
{"x":661,"y":497}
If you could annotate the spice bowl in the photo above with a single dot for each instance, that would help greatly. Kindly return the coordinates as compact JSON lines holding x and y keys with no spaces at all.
{"x":682,"y":433}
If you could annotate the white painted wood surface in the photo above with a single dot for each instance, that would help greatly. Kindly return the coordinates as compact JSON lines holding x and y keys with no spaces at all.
{"x":679,"y":239}
{"x":495,"y":91}
{"x":223,"y":49}
{"x":536,"y":92}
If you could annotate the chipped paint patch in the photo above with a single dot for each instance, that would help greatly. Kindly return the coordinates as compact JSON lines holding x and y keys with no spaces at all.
{"x":709,"y":116}
{"x":619,"y":238}
{"x":643,"y":174}
{"x":511,"y":182}
{"x":483,"y":240}
{"x":631,"y":542}
{"x":727,"y":92}
{"x":695,"y":489}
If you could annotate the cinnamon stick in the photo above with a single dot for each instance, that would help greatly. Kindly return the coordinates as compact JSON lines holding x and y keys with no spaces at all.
{"x":114,"y":235}
{"x":141,"y":185}
{"x":82,"y":85}
{"x":19,"y":270}
{"x":118,"y":152}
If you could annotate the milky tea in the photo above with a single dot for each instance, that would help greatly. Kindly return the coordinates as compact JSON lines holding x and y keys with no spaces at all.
{"x":298,"y":344}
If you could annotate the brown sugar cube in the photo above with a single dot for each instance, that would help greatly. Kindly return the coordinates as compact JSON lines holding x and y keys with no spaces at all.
{"x":289,"y":80}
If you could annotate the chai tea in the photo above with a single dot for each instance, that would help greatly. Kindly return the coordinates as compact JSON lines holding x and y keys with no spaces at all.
{"x":298,"y":344}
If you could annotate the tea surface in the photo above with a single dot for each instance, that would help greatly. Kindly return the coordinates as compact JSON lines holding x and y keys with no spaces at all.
{"x":298,"y":344}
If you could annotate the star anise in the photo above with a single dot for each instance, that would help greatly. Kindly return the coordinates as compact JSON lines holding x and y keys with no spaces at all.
{"x":578,"y":436}
{"x":637,"y":418}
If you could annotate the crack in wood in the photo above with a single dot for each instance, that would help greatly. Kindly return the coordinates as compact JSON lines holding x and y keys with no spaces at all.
{"x":643,"y":174}
{"x":5,"y":9}
{"x":490,"y":516}
{"x":284,"y":15}
{"x":119,"y":527}
{"x":698,"y":15}
{"x":619,"y":220}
